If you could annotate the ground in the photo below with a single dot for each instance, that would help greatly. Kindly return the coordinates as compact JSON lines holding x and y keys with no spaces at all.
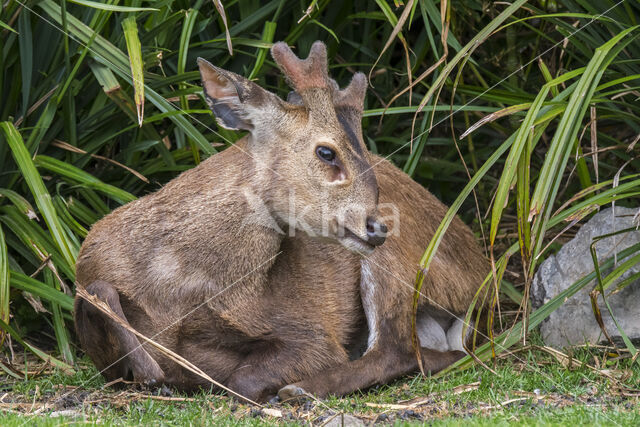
{"x":530,"y":386}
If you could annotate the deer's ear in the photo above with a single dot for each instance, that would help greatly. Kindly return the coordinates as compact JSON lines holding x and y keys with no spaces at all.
{"x":235,"y":101}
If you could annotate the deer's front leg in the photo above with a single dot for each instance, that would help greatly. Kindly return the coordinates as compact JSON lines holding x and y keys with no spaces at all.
{"x":388,"y":359}
{"x":274,"y":364}
{"x":374,"y":367}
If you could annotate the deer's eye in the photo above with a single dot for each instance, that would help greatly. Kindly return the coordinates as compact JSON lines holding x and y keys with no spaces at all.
{"x":326,"y":154}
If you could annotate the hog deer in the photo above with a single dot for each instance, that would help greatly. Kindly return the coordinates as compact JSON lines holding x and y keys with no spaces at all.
{"x":209,"y":266}
{"x":386,"y":284}
{"x":275,"y":310}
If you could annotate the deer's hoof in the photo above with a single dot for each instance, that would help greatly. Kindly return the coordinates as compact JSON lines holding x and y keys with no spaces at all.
{"x":147,"y":372}
{"x":275,"y":400}
{"x":156,"y":388}
{"x":292,"y":394}
{"x":163,"y":390}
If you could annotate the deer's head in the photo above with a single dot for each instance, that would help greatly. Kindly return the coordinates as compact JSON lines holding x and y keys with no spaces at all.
{"x":320,"y":178}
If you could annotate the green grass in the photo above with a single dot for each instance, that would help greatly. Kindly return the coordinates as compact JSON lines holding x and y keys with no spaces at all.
{"x":576,"y":395}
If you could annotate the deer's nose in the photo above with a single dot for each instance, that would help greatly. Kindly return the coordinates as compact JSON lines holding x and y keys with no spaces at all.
{"x":376,"y":232}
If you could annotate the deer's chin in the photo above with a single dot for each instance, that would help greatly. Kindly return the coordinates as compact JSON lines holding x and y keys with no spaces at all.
{"x":357,"y":245}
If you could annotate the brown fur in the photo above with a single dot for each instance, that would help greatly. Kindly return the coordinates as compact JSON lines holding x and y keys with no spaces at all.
{"x":280,"y":323}
{"x":206,"y":265}
{"x":449,"y":287}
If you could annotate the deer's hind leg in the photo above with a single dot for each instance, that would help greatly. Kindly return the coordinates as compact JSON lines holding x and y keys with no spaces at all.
{"x":116,"y":352}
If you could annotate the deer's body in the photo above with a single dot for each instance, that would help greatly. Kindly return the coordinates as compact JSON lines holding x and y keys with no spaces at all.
{"x":206,"y":266}
{"x":221,"y":292}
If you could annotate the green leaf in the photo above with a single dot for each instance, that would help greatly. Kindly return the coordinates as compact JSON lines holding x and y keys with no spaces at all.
{"x":268,"y":33}
{"x":19,"y":202}
{"x":324,"y":27}
{"x":185,"y":36}
{"x":26,"y":58}
{"x":35,"y":350}
{"x":39,"y":191}
{"x":69,"y":220}
{"x":42,"y":290}
{"x":5,"y":298}
{"x":6,"y":27}
{"x":78,"y":175}
{"x":36,"y":240}
{"x":59,"y":328}
{"x":134,"y":48}
{"x":112,"y":7}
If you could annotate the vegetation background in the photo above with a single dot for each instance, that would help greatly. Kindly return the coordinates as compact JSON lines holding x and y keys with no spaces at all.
{"x":523,"y":116}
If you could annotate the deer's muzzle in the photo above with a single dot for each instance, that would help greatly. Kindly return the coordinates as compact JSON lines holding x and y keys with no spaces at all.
{"x":376,"y":232}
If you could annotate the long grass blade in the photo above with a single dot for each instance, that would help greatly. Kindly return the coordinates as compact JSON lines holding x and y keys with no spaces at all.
{"x":39,"y":191}
{"x":112,"y":7}
{"x":42,"y":290}
{"x":4,"y":279}
{"x":130,"y":27}
{"x":19,"y":202}
{"x":7,"y":27}
{"x":79,"y":176}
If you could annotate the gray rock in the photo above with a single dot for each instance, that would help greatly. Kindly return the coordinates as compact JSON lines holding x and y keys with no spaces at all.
{"x":344,"y":420}
{"x":574,"y":322}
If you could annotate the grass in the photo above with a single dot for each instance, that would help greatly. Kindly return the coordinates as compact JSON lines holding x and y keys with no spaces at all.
{"x":532,"y":389}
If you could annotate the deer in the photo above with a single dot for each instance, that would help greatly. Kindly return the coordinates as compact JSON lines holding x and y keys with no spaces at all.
{"x":264,"y":264}
{"x":387,"y":276}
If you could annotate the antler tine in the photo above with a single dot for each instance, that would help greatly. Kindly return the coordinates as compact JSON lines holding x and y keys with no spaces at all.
{"x":353,"y":95}
{"x":303,"y":73}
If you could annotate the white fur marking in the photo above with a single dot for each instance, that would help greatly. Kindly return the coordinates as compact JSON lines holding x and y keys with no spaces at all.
{"x":367,"y":292}
{"x":454,"y":335}
{"x":430,"y":333}
{"x":164,"y":265}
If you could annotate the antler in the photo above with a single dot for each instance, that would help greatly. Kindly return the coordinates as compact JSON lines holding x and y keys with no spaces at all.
{"x":312,"y":73}
{"x":303,"y":73}
{"x":353,"y":95}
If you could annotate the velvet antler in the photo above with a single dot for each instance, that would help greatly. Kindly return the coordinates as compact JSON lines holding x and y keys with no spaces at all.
{"x":352,"y":95}
{"x":312,"y":72}
{"x":303,"y":74}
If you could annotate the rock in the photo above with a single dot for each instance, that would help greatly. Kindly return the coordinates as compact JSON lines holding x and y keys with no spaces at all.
{"x":574,"y":322}
{"x":272,"y":412}
{"x":66,"y":413}
{"x":344,"y":420}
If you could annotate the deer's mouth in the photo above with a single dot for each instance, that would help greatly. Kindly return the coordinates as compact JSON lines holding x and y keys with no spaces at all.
{"x":355,"y":243}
